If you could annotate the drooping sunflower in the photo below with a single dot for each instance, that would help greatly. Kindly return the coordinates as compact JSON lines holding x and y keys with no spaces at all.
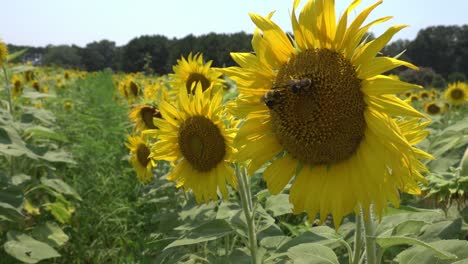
{"x":142,"y":116}
{"x":3,"y":52}
{"x":17,"y":86}
{"x":192,"y":71}
{"x":457,"y":93}
{"x":196,"y":137}
{"x":433,"y":108}
{"x":140,"y":160}
{"x":320,"y":108}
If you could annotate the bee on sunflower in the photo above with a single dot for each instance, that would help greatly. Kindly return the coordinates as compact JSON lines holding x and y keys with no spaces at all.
{"x":320,"y":108}
{"x":197,"y":138}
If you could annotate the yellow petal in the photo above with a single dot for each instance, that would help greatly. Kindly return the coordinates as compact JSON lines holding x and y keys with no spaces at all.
{"x":278,"y":174}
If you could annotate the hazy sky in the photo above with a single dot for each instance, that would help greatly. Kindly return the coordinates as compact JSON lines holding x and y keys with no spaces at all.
{"x":42,"y":22}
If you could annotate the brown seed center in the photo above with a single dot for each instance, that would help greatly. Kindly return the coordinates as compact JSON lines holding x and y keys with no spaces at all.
{"x":433,"y":109}
{"x":142,"y":154}
{"x":194,"y":79}
{"x":317,"y":107}
{"x":457,"y":94}
{"x":201,"y":143}
{"x":147,"y":114}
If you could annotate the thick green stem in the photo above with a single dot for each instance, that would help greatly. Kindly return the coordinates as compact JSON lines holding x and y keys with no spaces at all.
{"x":244,"y":192}
{"x":371,"y":246}
{"x":357,"y":240}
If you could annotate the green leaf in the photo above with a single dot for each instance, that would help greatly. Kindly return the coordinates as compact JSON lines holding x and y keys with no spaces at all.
{"x":20,"y":178}
{"x":60,"y":211}
{"x":321,"y":235}
{"x":206,"y":232}
{"x":50,"y":233}
{"x":312,"y":253}
{"x":390,"y":221}
{"x":442,"y":230}
{"x":58,"y":156}
{"x":27,"y":249}
{"x":464,"y":164}
{"x":421,"y":254}
{"x":10,"y":213}
{"x":386,"y":242}
{"x":274,"y":242}
{"x":278,"y":204}
{"x":43,"y":132}
{"x":410,"y":227}
{"x":16,"y":54}
{"x":61,"y":187}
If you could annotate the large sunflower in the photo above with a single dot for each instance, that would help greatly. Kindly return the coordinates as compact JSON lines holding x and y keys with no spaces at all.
{"x":192,"y":71}
{"x":457,"y":93}
{"x":320,"y":107}
{"x":198,"y":140}
{"x":140,"y":160}
{"x":142,"y":116}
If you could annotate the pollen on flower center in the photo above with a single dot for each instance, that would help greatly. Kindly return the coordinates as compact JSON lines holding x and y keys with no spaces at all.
{"x":317,"y":107}
{"x":142,"y":154}
{"x":195,"y":78}
{"x":201,"y":143}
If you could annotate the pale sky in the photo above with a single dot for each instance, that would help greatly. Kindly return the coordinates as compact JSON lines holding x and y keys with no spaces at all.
{"x":42,"y":22}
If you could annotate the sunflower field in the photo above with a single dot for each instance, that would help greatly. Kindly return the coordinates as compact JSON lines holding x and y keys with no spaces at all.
{"x":307,"y":151}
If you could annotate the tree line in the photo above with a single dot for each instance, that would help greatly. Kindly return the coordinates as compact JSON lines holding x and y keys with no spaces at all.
{"x":441,"y":51}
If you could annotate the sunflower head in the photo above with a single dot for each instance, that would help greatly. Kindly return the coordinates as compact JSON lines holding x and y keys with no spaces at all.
{"x":457,"y":93}
{"x":67,"y":105}
{"x":433,"y":108}
{"x":28,"y":76}
{"x":66,"y":75}
{"x":17,"y":86}
{"x":320,"y":107}
{"x":36,"y":86}
{"x":424,"y":95}
{"x":3,"y":52}
{"x":143,"y":115}
{"x":140,"y":160}
{"x":193,"y":71}
{"x":195,"y":135}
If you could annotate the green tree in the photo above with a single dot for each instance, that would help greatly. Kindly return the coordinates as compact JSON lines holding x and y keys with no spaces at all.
{"x":99,"y":55}
{"x":133,"y":57}
{"x":62,"y":56}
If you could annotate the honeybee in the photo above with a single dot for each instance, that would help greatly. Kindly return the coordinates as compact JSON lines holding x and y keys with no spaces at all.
{"x":297,"y":85}
{"x":273,"y":97}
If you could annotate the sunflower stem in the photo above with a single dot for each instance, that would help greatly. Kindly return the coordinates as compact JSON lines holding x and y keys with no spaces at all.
{"x":245,"y":193}
{"x":8,"y":89}
{"x":369,"y":231}
{"x":357,"y":240}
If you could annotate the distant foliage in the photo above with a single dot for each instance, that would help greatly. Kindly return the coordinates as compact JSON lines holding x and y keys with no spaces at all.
{"x":442,"y":48}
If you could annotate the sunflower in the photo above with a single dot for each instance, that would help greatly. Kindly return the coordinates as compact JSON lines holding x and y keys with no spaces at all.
{"x":17,"y":86}
{"x":140,"y":160}
{"x":424,"y":95}
{"x":35,"y":84}
{"x":198,"y":140}
{"x":143,"y":116}
{"x":192,"y":71}
{"x":129,"y":89}
{"x":3,"y":52}
{"x":433,"y":108}
{"x":320,"y":108}
{"x":457,"y":93}
{"x":67,"y":105}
